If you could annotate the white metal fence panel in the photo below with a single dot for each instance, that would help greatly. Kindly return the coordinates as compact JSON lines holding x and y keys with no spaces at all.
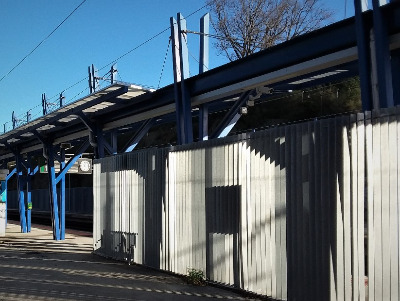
{"x":299,"y":212}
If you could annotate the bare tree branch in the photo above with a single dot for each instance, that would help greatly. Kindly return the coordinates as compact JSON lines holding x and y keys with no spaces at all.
{"x":249,"y":26}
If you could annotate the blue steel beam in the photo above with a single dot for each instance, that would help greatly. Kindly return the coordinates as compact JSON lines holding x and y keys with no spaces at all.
{"x":100,"y":143}
{"x":231,"y":117}
{"x":337,"y":40}
{"x":89,"y":124}
{"x":72,"y":161}
{"x":109,"y":148}
{"x":144,"y":128}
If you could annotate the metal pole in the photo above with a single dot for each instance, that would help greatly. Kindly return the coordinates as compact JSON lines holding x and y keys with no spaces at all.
{"x":203,"y":66}
{"x":21,"y":194}
{"x":53,"y":192}
{"x":382,"y":52}
{"x":62,"y":196}
{"x":184,"y":66}
{"x":364,"y":57}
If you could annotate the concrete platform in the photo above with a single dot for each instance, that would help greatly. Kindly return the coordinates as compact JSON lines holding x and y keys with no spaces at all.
{"x":35,"y":267}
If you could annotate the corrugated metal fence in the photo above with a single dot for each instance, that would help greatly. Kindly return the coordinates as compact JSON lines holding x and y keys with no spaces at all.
{"x":300,"y":212}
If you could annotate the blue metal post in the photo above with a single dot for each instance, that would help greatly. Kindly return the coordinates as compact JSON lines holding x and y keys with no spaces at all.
{"x":53,"y":193}
{"x":364,"y":56}
{"x":382,"y":53}
{"x":184,"y":63}
{"x":204,"y":43}
{"x":30,"y":172}
{"x":203,"y":66}
{"x":177,"y":78}
{"x":21,"y":194}
{"x":100,"y":144}
{"x":3,"y":192}
{"x":6,"y":187}
{"x":181,"y":72}
{"x":62,"y":196}
{"x":396,"y":77}
{"x":28,"y":197}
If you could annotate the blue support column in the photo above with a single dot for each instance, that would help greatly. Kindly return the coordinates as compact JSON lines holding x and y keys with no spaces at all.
{"x":181,"y":72}
{"x":184,"y":62}
{"x":62,"y":196}
{"x":177,"y":78}
{"x":53,"y":193}
{"x":364,"y":55}
{"x":203,"y":66}
{"x":28,"y":198}
{"x":21,"y":194}
{"x":30,"y":172}
{"x":382,"y":53}
{"x":204,"y":43}
{"x":58,"y":210}
{"x":100,"y":144}
{"x":396,"y":77}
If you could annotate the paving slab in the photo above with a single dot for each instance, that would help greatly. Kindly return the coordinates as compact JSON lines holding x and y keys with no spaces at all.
{"x":35,"y":267}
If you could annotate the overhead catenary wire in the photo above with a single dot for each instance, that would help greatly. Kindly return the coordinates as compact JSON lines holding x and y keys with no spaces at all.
{"x":103,"y":67}
{"x":163,"y":65}
{"x":42,"y":41}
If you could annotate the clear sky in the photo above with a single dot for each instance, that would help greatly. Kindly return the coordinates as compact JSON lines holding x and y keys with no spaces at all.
{"x":98,"y":33}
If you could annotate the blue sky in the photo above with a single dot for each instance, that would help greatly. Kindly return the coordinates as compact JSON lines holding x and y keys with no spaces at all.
{"x":99,"y":32}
